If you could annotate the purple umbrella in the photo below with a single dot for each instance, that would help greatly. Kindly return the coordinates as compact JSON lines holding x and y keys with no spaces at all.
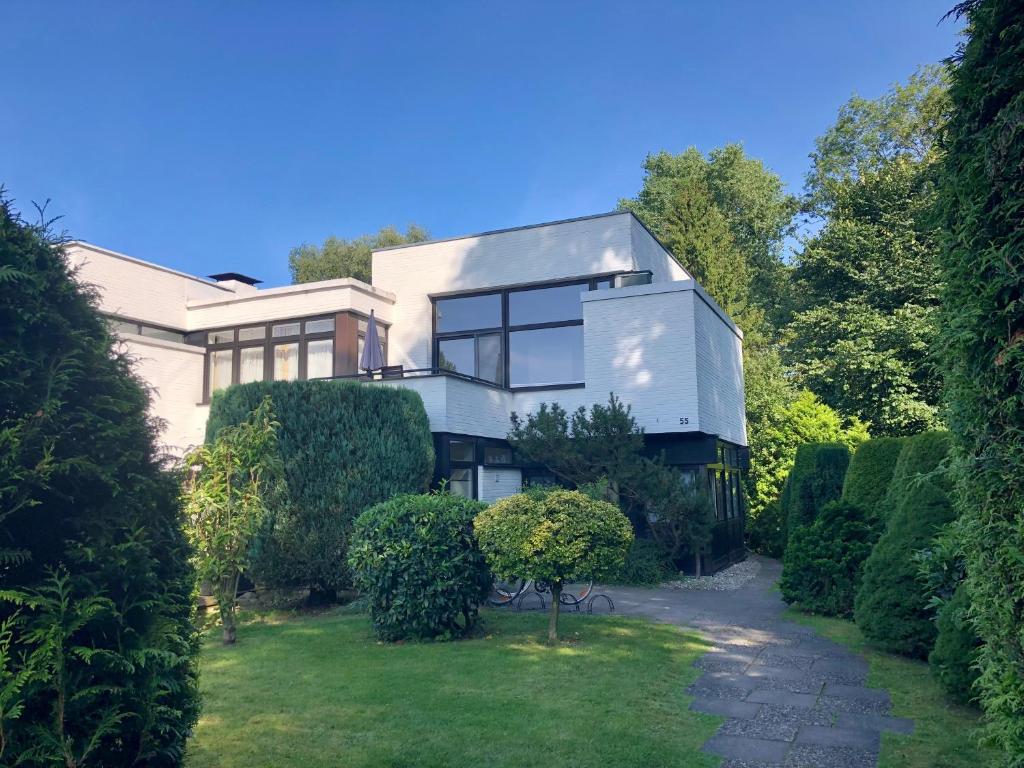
{"x":372,"y":358}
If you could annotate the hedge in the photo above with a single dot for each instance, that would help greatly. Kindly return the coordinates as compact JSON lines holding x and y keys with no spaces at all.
{"x":824,"y":561}
{"x":892,"y":603}
{"x":417,"y":563}
{"x":982,"y":339}
{"x":870,"y":473}
{"x":345,"y":447}
{"x":816,"y":479}
{"x":955,"y":654}
{"x":96,"y":639}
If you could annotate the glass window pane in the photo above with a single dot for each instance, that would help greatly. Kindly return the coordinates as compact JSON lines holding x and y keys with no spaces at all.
{"x":160,"y":333}
{"x":323,"y":325}
{"x":468,"y":313}
{"x":489,"y":358}
{"x":285,"y":329}
{"x":123,"y":326}
{"x":494,"y":454}
{"x":252,"y":334}
{"x":220,"y":370}
{"x":461,"y":450}
{"x":457,"y":355}
{"x":220,"y":337}
{"x":286,"y":362}
{"x":607,"y":283}
{"x":319,"y":358}
{"x":546,"y":305}
{"x":546,"y":356}
{"x":460,"y":483}
{"x":250,"y":365}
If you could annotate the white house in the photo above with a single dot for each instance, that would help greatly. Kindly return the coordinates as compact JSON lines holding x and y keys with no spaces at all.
{"x":480,"y":326}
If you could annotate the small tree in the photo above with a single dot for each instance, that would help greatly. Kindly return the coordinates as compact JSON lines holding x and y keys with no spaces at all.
{"x":227,"y":496}
{"x":554,"y":538}
{"x":680,"y":517}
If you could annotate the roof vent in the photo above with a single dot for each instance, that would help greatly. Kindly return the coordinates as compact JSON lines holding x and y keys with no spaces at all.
{"x":224,"y":277}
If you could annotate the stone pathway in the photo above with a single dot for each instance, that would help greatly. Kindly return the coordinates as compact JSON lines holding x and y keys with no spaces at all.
{"x":791,"y":698}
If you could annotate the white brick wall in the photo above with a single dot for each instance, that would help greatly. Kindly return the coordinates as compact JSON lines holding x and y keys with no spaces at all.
{"x":494,"y":484}
{"x":139,"y":290}
{"x":720,"y":373}
{"x":175,"y":374}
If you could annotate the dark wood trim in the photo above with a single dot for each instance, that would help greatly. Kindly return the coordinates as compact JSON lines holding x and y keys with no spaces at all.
{"x":346,"y":329}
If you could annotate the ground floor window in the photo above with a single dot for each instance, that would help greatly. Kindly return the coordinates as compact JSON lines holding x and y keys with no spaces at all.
{"x":460,"y":483}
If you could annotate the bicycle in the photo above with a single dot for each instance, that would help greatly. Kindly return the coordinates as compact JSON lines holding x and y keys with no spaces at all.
{"x":509,"y":592}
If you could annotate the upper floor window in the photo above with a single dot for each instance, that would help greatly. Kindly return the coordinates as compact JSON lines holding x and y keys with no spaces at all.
{"x":118,"y":325}
{"x":516,"y":337}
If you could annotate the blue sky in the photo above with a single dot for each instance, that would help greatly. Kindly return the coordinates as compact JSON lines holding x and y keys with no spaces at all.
{"x":215,"y":136}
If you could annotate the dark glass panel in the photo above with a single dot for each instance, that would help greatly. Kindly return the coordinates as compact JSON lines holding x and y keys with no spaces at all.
{"x":546,"y":356}
{"x":460,"y":450}
{"x":467,"y":313}
{"x":457,"y":355}
{"x":546,"y":305}
{"x":489,"y":358}
{"x":495,"y":454}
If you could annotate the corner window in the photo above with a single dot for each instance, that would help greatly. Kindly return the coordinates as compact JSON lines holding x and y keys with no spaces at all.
{"x":466,"y":313}
{"x":546,"y":356}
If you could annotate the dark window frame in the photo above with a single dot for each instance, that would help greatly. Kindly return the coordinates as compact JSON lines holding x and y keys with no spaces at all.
{"x":268,"y":342}
{"x":507,"y":328}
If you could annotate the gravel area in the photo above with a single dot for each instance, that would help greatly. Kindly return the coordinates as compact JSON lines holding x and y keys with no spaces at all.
{"x":733,"y":577}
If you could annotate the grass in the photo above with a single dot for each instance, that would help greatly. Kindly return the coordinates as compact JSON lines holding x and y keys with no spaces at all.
{"x":943,"y":732}
{"x":320,"y":691}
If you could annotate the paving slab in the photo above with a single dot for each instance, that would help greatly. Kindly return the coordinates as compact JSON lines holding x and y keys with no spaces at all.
{"x":791,"y":699}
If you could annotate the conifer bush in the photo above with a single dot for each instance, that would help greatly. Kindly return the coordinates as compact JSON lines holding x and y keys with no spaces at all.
{"x":954,"y":658}
{"x":345,"y":447}
{"x":418,"y":565}
{"x":892,"y":602}
{"x":822,"y":567}
{"x":981,"y":265}
{"x":96,"y":635}
{"x":816,"y":479}
{"x":869,"y":475}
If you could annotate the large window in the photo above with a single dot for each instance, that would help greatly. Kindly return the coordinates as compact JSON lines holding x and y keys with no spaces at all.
{"x":283,"y":351}
{"x":518,"y":337}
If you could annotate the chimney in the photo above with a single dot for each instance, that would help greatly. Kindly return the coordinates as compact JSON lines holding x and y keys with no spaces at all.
{"x":237,"y":282}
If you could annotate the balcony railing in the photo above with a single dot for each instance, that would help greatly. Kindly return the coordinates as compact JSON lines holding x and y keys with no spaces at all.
{"x":397,"y":373}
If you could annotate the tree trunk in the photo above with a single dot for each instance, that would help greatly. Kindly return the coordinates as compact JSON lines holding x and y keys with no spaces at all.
{"x":556,"y":603}
{"x":226,"y":606}
{"x":696,"y":563}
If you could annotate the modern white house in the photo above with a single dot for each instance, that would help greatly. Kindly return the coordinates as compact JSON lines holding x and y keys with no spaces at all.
{"x":480,"y":327}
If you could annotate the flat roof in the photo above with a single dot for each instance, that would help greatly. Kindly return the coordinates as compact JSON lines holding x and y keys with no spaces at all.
{"x":516,"y":229}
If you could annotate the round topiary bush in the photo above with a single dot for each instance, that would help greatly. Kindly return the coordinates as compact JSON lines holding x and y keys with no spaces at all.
{"x":870,"y":474}
{"x":816,"y":479}
{"x":416,"y":561}
{"x":824,"y":560}
{"x":955,"y":654}
{"x":892,"y":602}
{"x":553,"y":537}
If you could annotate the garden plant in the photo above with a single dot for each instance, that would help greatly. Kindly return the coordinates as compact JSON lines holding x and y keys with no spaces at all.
{"x":231,"y":485}
{"x":415,"y":560}
{"x":553,"y":537}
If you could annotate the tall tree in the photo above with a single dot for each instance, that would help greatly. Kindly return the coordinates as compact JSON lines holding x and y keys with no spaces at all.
{"x":866,"y":286}
{"x":338,"y":257}
{"x":982,"y":263}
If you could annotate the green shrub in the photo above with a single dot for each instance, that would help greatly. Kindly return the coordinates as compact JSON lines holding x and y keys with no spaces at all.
{"x":553,"y":538}
{"x":981,"y":266}
{"x":892,"y":603}
{"x":954,"y":658}
{"x":767,"y":531}
{"x":646,"y":564}
{"x":870,"y":473}
{"x":824,"y":561}
{"x":345,"y":447}
{"x":96,"y":664}
{"x":416,"y":561}
{"x":816,"y":479}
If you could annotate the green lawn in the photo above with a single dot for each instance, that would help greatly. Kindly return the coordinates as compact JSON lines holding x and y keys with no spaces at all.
{"x":320,"y":691}
{"x":943,"y":734}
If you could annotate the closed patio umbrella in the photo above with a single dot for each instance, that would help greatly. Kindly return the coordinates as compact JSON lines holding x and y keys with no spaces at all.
{"x":372,"y":358}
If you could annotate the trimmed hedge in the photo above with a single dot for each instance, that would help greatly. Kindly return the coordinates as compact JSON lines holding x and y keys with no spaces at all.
{"x":981,"y":264}
{"x":824,"y":561}
{"x":96,"y":638}
{"x":345,"y":447}
{"x":816,"y":479}
{"x":870,"y":474}
{"x":892,"y":603}
{"x":647,"y":564}
{"x":767,"y":532}
{"x":416,"y":561}
{"x":955,"y":654}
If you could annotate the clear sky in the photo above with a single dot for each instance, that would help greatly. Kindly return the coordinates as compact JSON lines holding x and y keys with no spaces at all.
{"x":214,"y":136}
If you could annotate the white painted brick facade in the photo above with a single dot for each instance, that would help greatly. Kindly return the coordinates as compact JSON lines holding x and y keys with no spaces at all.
{"x":664,"y":348}
{"x":494,"y":484}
